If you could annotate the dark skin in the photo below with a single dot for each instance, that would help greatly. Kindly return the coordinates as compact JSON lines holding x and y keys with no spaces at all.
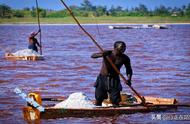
{"x":119,"y":59}
{"x":33,"y":40}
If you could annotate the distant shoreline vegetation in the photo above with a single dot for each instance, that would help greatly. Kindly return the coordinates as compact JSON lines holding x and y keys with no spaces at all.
{"x":89,"y":13}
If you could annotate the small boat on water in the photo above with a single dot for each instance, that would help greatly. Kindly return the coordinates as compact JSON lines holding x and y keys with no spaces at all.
{"x":50,"y":112}
{"x":9,"y":56}
{"x":160,"y":26}
{"x":26,"y":54}
{"x":53,"y":113}
{"x":145,"y":26}
{"x":121,"y":27}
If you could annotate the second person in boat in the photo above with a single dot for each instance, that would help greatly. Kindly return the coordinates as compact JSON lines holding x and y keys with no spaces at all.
{"x":33,"y":42}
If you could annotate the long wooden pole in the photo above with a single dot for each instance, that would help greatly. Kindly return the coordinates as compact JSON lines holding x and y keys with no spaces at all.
{"x":37,"y":10}
{"x":109,"y":60}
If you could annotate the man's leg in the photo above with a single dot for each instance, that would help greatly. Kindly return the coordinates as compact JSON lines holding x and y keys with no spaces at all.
{"x":100,"y":91}
{"x":100,"y":95}
{"x":115,"y":97}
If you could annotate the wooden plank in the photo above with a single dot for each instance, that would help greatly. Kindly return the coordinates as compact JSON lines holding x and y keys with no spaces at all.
{"x":53,"y":113}
{"x":125,"y":100}
{"x":157,"y":101}
{"x":30,"y":114}
{"x":158,"y":104}
{"x":9,"y":56}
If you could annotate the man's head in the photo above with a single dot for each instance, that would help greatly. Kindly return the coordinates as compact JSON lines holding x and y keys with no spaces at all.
{"x":32,"y":34}
{"x":120,"y":46}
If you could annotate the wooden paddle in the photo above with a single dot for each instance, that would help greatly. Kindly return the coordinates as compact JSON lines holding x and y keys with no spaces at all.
{"x":109,"y":60}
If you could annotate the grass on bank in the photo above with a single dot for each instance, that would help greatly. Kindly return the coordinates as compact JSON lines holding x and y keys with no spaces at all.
{"x":103,"y":19}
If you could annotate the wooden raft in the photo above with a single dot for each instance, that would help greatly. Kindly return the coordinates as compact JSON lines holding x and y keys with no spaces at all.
{"x":53,"y":113}
{"x":10,"y":56}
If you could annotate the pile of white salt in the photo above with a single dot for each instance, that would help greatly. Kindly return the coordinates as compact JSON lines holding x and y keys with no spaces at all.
{"x":26,"y":52}
{"x":76,"y":100}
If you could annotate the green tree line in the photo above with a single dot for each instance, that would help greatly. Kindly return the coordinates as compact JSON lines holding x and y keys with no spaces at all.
{"x":86,"y":9}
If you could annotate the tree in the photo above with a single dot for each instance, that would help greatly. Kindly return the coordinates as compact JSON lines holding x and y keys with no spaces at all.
{"x":119,"y":9}
{"x":87,"y":6}
{"x":161,"y":11}
{"x":100,"y":11}
{"x":187,"y":10}
{"x":76,"y":10}
{"x":18,"y":13}
{"x":5,"y":11}
{"x":43,"y":13}
{"x":112,"y":11}
{"x":26,"y":8}
{"x":57,"y":14}
{"x":33,"y":12}
{"x":143,"y":9}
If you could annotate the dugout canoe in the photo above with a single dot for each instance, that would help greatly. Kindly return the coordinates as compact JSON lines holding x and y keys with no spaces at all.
{"x":10,"y":56}
{"x":155,"y":104}
{"x":53,"y":113}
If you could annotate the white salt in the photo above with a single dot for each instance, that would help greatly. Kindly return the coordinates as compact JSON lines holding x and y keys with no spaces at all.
{"x":76,"y":100}
{"x":26,"y":52}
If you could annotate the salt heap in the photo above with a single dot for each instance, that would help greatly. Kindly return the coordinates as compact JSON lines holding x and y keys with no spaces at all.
{"x":76,"y":100}
{"x":26,"y":52}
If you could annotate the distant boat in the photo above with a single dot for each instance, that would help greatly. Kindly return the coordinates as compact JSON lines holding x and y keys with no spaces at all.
{"x":10,"y":56}
{"x":160,"y":26}
{"x":145,"y":26}
{"x":120,"y":27}
{"x":26,"y":54}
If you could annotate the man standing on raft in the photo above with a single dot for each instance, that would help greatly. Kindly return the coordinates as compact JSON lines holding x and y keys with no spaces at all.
{"x":108,"y":81}
{"x":33,"y":41}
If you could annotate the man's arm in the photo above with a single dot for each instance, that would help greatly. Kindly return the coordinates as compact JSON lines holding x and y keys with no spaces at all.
{"x":37,"y":32}
{"x":98,"y":55}
{"x":38,"y":43}
{"x":37,"y":40}
{"x":33,"y":35}
{"x":129,"y":70}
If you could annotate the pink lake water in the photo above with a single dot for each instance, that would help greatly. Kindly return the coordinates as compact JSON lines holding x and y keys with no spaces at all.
{"x":160,"y":60}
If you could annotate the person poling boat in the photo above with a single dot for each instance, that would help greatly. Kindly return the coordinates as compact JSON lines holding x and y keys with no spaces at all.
{"x":108,"y":59}
{"x":33,"y":42}
{"x":108,"y":80}
{"x":32,"y":52}
{"x":28,"y":54}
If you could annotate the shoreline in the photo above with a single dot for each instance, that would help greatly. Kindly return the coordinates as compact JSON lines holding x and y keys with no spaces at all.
{"x":126,"y":20}
{"x":180,"y":23}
